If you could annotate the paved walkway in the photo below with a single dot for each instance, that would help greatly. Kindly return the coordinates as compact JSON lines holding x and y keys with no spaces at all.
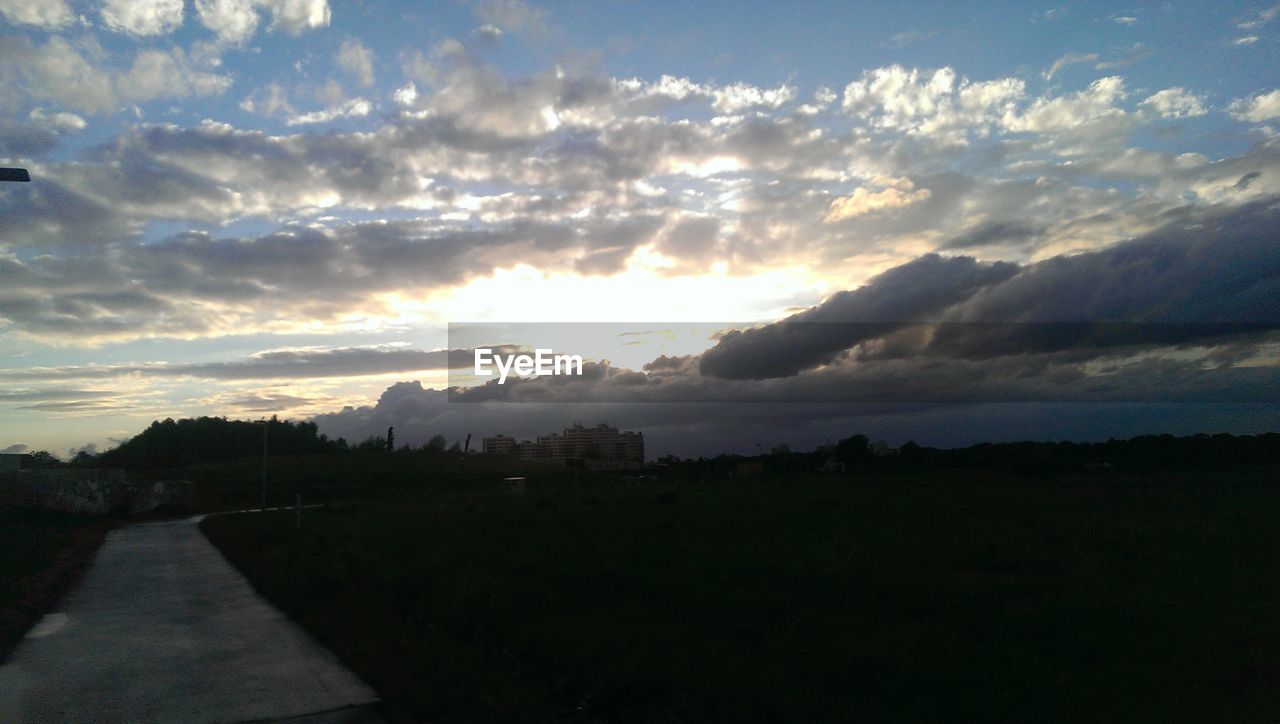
{"x":162,"y":628}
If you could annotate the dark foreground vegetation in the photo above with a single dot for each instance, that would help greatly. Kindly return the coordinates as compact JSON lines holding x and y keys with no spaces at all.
{"x":41,"y":554}
{"x":908,"y":596}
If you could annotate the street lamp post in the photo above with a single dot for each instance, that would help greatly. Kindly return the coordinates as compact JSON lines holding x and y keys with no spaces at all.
{"x":264,"y":465}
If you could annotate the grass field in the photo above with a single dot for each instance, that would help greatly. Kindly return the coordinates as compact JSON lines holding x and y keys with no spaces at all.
{"x":926,"y":598}
{"x":41,"y":553}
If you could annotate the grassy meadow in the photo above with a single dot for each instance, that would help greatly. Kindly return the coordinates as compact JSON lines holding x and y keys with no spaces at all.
{"x":790,"y":598}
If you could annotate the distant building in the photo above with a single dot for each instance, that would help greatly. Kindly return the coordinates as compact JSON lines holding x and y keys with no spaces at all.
{"x":832,"y":466}
{"x":499,"y":445}
{"x":880,"y":448}
{"x":602,"y":447}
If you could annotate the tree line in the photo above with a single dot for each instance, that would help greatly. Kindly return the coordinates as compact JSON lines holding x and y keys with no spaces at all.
{"x":1145,"y":452}
{"x":173,"y":443}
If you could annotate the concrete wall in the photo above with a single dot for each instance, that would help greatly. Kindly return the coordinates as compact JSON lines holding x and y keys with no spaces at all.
{"x":93,"y":491}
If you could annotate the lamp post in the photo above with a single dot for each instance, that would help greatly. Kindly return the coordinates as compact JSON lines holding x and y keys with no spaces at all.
{"x":264,"y":465}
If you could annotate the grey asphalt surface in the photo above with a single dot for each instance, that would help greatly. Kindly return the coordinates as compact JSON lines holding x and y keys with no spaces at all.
{"x":162,"y":628}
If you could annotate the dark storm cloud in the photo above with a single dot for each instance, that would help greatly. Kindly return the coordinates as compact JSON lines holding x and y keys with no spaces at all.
{"x":916,"y":291}
{"x":1218,"y":265}
{"x":1212,"y":275}
{"x":1045,"y":377}
{"x":991,"y":233}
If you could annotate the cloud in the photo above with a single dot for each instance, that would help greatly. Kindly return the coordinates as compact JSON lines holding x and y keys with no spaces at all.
{"x":1077,"y":122}
{"x":195,"y":284}
{"x":929,"y":103}
{"x":1051,"y":14}
{"x":1065,"y":113}
{"x":44,"y":395}
{"x":691,"y":239}
{"x":1211,"y":265}
{"x":46,"y":14}
{"x":406,"y":95}
{"x":233,"y":21}
{"x":357,"y":61}
{"x":992,"y":233}
{"x":142,"y":17}
{"x":1175,"y":102}
{"x":916,"y":291}
{"x":41,"y":133}
{"x":167,"y":74}
{"x":61,"y":122}
{"x":909,"y":37}
{"x":269,"y":100}
{"x":743,"y":96}
{"x":1069,"y":59}
{"x":56,"y":71}
{"x":862,"y":201}
{"x":60,"y":72}
{"x":79,"y":407}
{"x":87,"y":448}
{"x":899,"y":98}
{"x":478,"y":96}
{"x":236,"y":21}
{"x":26,"y":140}
{"x":515,"y":16}
{"x":295,"y":17}
{"x":564,"y":174}
{"x":1244,"y":40}
{"x":710,"y":428}
{"x":354,"y":108}
{"x":1263,"y":17}
{"x":15,"y":449}
{"x":279,"y":364}
{"x":487,"y":34}
{"x":1209,"y":275}
{"x":268,"y":403}
{"x":1257,"y":108}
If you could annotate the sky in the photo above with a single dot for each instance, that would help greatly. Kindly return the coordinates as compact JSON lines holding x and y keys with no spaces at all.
{"x":278,"y":207}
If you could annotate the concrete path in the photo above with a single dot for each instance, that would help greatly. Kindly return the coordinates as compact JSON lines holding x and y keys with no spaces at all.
{"x":162,"y":628}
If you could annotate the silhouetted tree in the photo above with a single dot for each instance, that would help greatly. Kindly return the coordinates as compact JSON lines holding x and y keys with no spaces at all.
{"x":169,"y":443}
{"x":853,"y":451}
{"x":43,"y":459}
{"x":84,"y":459}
